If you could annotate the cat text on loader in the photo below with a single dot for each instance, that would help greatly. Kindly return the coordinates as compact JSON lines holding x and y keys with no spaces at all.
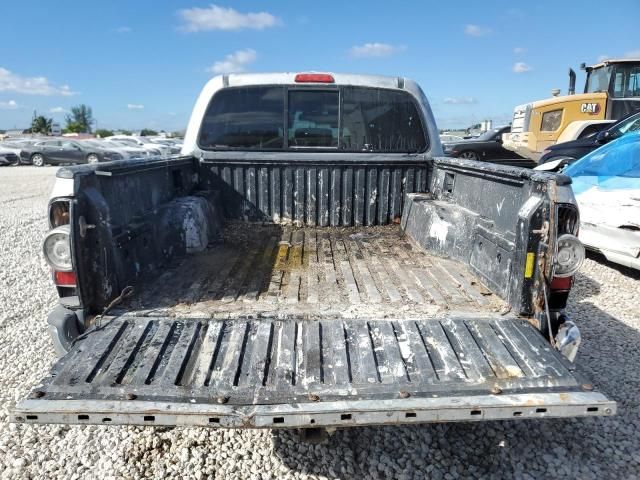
{"x":611,"y":91}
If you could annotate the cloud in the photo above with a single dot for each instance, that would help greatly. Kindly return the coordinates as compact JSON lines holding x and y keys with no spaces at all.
{"x":629,"y":54}
{"x":221,"y":18}
{"x":57,"y":110}
{"x":521,"y":67}
{"x":234,"y":62}
{"x":10,"y":105}
{"x":124,"y":30}
{"x":12,"y":82}
{"x":476,"y":30}
{"x":374,"y":50}
{"x":516,"y":13}
{"x":519,"y":50}
{"x":135,"y":106}
{"x":460,"y":100}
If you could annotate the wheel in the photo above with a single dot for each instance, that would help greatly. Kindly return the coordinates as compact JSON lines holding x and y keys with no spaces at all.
{"x":92,"y":158}
{"x":469,"y":155}
{"x":37,"y":160}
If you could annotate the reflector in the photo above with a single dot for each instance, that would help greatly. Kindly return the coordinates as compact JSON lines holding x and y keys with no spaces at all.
{"x":64,"y":279}
{"x":561,"y":283}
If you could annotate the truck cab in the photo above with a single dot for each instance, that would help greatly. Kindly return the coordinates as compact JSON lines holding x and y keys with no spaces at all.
{"x":311,"y":260}
{"x":611,"y":92}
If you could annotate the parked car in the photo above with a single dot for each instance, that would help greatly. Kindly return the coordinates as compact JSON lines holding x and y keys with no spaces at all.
{"x":65,"y":151}
{"x":606,"y":183}
{"x":8,"y":157}
{"x":446,"y":138}
{"x":17,"y":144}
{"x":140,"y":142}
{"x":583,"y":129}
{"x":11,"y":147}
{"x":173,"y":147}
{"x":127,"y":151}
{"x":571,"y":151}
{"x":142,"y":151}
{"x":294,"y":274}
{"x":487,"y":146}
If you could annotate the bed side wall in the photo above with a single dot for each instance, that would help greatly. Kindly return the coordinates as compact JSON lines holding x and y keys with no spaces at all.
{"x":491,"y":218}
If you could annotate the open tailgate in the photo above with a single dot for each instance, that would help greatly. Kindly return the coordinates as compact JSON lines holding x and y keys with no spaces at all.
{"x":287,"y":373}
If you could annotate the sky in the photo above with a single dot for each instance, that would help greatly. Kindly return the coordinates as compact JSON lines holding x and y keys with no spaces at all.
{"x":142,"y":63}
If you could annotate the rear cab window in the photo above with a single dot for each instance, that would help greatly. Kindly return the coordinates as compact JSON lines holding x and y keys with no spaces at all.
{"x":336,"y":118}
{"x":313,"y":119}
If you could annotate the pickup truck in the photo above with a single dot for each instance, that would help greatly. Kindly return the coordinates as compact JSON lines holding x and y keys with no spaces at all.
{"x":309,"y":260}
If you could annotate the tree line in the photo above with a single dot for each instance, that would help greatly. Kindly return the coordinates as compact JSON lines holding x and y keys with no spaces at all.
{"x":79,"y":120}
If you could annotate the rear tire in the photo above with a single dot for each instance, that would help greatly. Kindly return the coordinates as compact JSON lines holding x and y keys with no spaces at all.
{"x":92,"y":158}
{"x":37,"y":160}
{"x":469,"y":155}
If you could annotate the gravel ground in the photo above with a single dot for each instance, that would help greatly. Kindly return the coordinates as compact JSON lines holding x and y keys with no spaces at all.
{"x":605,"y":303}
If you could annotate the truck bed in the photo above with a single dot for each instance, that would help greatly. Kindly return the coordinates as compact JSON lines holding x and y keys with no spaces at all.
{"x":310,"y":287}
{"x":272,"y":271}
{"x":277,"y":326}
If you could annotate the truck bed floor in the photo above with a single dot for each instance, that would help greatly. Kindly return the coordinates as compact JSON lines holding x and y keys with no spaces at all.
{"x":285,"y":272}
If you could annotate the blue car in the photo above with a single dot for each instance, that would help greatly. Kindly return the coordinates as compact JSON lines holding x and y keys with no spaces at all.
{"x":606,"y":183}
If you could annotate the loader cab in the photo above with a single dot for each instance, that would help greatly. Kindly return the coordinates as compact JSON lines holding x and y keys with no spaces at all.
{"x":620,"y":80}
{"x":611,"y":92}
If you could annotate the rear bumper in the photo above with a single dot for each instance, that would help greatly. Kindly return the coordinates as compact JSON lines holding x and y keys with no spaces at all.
{"x":322,"y":414}
{"x":64,"y":327}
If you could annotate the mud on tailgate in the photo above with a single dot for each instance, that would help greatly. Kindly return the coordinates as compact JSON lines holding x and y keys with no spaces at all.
{"x":286,"y":373}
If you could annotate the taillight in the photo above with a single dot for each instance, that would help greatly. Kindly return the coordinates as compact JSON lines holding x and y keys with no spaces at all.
{"x":559,"y":292}
{"x":65,"y":279}
{"x":58,"y":213}
{"x":57,"y":249}
{"x":568,"y":219}
{"x":569,"y":256}
{"x":314,"y":78}
{"x":570,"y":251}
{"x":561,"y":283}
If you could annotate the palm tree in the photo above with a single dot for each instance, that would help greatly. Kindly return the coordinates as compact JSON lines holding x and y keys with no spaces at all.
{"x":41,"y":124}
{"x":80,"y":119}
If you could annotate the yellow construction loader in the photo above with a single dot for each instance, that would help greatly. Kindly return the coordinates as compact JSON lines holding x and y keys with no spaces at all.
{"x":611,"y":91}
